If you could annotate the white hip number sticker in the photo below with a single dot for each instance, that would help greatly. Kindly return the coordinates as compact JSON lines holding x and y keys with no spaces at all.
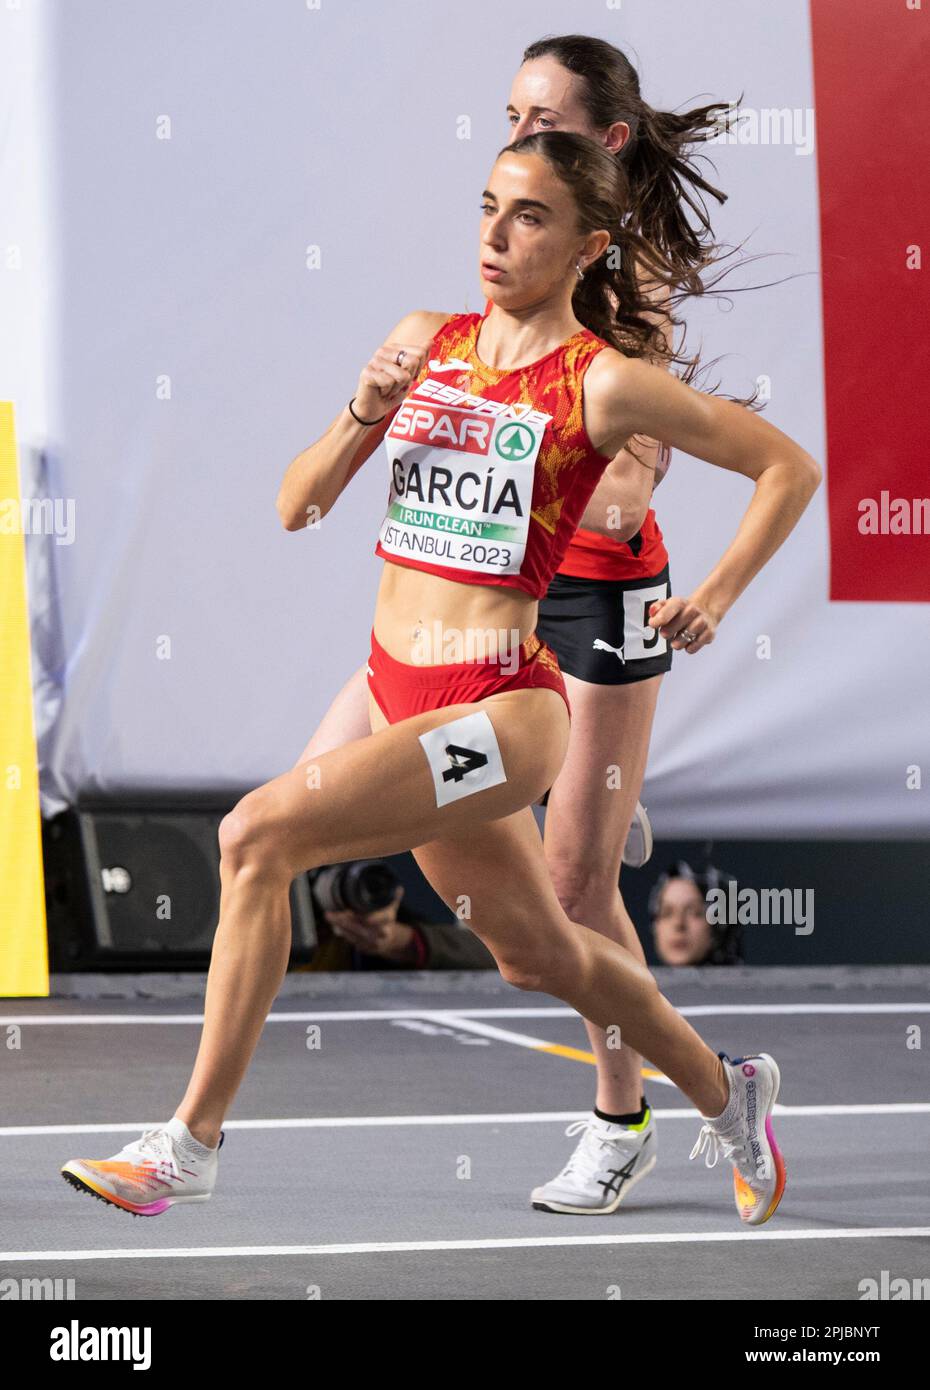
{"x":464,"y":757}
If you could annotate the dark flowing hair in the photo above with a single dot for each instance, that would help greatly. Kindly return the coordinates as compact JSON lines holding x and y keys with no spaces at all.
{"x":660,"y":224}
{"x":663,"y":180}
{"x":610,"y":299}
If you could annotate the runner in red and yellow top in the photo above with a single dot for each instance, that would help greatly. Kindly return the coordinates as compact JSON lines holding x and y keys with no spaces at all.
{"x":603,"y":614}
{"x":509,"y":525}
{"x":595,"y":614}
{"x":543,"y":470}
{"x":608,"y":613}
{"x":455,"y":781}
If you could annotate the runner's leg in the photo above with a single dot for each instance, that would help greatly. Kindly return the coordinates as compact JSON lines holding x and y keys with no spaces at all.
{"x":499,"y":870}
{"x":588,"y":818}
{"x":345,"y":720}
{"x":372,"y":797}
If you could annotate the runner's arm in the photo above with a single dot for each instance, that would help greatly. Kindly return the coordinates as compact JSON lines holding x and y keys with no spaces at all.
{"x":631,"y":397}
{"x":321,"y":472}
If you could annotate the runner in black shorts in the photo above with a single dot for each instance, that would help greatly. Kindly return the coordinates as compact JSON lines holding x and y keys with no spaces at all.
{"x":599,"y":628}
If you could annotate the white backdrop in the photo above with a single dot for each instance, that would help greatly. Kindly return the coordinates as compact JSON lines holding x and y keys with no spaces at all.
{"x":187,"y":353}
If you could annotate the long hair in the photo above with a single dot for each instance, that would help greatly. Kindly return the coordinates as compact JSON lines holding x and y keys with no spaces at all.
{"x":659,"y":159}
{"x":726,"y":946}
{"x":611,"y":299}
{"x":662,"y":200}
{"x":615,"y":297}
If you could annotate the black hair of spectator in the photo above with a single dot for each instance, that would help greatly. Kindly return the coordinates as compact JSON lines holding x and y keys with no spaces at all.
{"x":726,"y":947}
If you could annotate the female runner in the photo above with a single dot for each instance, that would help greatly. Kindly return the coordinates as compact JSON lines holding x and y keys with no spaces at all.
{"x":488,"y":485}
{"x":607,"y":614}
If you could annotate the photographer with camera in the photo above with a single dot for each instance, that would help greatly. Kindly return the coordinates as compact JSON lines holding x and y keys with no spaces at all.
{"x":366,"y":925}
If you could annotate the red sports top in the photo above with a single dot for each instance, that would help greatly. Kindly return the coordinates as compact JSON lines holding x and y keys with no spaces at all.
{"x":590,"y":555}
{"x":490,"y":470}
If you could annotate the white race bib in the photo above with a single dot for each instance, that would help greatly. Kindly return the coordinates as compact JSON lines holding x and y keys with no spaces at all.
{"x":462,"y":471}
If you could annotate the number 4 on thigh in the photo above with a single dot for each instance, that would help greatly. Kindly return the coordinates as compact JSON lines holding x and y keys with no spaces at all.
{"x":464,"y":757}
{"x":462,"y":761}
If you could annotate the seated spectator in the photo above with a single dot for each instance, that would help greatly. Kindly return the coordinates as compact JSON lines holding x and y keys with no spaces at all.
{"x":682,"y":933}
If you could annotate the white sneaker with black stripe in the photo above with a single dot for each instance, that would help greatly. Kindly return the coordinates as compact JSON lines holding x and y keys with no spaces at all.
{"x":608,"y":1161}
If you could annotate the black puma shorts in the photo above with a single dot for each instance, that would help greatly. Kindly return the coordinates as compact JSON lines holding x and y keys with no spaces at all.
{"x":597,"y":628}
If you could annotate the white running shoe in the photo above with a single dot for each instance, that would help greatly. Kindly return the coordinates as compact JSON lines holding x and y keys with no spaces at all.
{"x":150,"y":1174}
{"x":746,"y":1138}
{"x":608,"y":1160}
{"x":638,"y":847}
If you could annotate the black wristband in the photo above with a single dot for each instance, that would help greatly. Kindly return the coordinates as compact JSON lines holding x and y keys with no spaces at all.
{"x":359,"y":418}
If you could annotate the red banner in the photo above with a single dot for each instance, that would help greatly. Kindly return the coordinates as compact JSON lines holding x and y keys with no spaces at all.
{"x":871,"y":82}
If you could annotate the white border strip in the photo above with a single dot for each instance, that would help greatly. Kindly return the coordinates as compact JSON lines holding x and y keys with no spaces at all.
{"x":391,"y":1121}
{"x":486,"y":1030}
{"x":450,"y":1015}
{"x":401,"y":1247}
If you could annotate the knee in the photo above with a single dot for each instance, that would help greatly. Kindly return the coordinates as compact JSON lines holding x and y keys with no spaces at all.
{"x":585,"y":892}
{"x":522,"y":974}
{"x":545,"y":967}
{"x":245,"y":839}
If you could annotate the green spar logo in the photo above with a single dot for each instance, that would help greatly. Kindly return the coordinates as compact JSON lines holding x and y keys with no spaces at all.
{"x":515,"y":442}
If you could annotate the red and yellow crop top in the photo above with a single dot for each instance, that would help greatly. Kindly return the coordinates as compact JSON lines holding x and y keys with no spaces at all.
{"x":490,"y":470}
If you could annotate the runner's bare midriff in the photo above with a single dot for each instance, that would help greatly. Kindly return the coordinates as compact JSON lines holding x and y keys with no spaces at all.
{"x":424,"y":619}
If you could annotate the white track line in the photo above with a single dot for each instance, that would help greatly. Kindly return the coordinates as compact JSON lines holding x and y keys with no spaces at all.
{"x":484,"y":1030}
{"x":403,"y":1121}
{"x":401,"y":1247}
{"x":385,"y":1015}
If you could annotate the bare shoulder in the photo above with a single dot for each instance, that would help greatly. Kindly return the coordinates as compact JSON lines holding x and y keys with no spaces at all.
{"x":610,"y":373}
{"x":612,"y":385}
{"x":420,"y":326}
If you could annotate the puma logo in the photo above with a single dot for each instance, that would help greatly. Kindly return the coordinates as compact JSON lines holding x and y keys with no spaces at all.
{"x":599,"y":645}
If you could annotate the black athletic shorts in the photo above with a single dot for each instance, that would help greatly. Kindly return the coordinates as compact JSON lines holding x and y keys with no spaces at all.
{"x":597,"y":628}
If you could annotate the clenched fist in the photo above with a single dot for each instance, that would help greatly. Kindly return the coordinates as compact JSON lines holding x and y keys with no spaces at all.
{"x":387,"y":378}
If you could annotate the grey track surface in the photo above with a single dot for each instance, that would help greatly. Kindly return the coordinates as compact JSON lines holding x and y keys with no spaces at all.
{"x":327,"y":1186}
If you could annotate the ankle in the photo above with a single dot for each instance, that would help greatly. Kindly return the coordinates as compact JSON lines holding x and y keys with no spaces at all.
{"x":631,"y":1113}
{"x":201,"y":1130}
{"x":717,"y":1096}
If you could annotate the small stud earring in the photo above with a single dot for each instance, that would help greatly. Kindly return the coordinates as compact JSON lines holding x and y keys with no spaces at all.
{"x":579,"y":271}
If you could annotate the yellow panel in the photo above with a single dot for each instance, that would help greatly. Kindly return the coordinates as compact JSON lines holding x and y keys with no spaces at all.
{"x":23,"y":949}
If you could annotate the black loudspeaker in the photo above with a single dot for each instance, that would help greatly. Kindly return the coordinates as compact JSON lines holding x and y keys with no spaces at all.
{"x":139,"y":888}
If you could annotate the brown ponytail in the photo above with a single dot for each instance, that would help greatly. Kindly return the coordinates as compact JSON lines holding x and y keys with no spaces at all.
{"x":610,"y":299}
{"x":664,"y":182}
{"x":613,"y":299}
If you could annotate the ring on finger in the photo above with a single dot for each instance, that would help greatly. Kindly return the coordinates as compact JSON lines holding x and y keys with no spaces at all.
{"x":687,"y":636}
{"x":399,"y":359}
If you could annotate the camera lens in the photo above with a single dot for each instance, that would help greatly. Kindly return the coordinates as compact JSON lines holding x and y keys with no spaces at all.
{"x":362,"y":886}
